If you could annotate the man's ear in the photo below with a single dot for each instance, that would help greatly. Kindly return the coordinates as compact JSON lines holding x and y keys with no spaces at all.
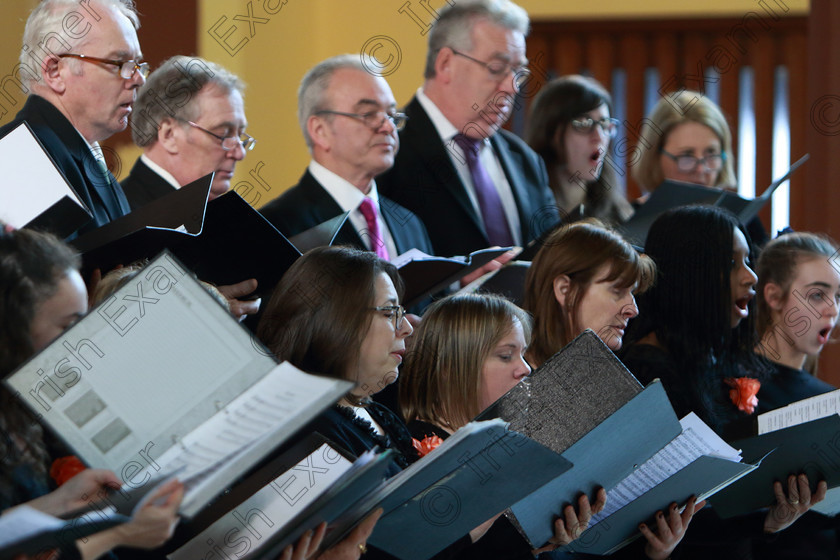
{"x":51,"y":73}
{"x":319,"y":131}
{"x":561,"y":288}
{"x":168,"y":135}
{"x":443,"y":65}
{"x":774,"y":296}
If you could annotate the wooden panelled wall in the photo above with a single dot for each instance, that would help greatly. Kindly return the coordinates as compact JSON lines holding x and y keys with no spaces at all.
{"x":683,"y":52}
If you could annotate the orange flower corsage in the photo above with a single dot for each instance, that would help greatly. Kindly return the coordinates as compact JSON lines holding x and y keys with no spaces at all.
{"x":743,"y":393}
{"x":65,"y":468}
{"x":427,"y":445}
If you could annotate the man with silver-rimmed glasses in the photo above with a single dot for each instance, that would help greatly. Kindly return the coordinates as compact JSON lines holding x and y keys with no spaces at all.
{"x":349,"y":121}
{"x":189,"y":119}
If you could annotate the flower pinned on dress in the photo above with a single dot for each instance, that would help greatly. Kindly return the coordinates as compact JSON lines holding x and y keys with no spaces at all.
{"x":65,"y":468}
{"x":743,"y":392}
{"x":427,"y":445}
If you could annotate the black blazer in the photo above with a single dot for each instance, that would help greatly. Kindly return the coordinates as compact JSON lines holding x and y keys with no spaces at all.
{"x":308,"y":204}
{"x":424,"y":180}
{"x":74,"y":159}
{"x":144,"y":185}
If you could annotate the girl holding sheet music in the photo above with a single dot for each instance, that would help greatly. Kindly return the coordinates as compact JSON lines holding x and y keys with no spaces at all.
{"x":469,"y":351}
{"x":695,"y":333}
{"x":798,"y":297}
{"x":41,"y":295}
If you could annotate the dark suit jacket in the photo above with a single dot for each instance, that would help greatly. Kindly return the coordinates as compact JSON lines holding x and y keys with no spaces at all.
{"x":425,"y":181}
{"x":74,"y":159}
{"x":308,"y":204}
{"x":144,"y":185}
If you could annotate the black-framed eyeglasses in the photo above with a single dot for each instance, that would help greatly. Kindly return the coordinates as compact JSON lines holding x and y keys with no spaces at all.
{"x":587,"y":125}
{"x":127,"y":67}
{"x":228,"y":142}
{"x":396,"y":314}
{"x":498,"y":69}
{"x":372,"y":119}
{"x":688,"y":163}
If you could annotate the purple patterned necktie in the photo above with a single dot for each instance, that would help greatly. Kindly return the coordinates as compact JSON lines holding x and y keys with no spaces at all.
{"x":377,"y":244}
{"x":492,"y":211}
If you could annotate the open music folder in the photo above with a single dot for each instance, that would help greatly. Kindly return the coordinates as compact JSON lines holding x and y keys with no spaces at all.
{"x":33,"y":192}
{"x":160,"y":377}
{"x":584,"y":404}
{"x":800,"y":437}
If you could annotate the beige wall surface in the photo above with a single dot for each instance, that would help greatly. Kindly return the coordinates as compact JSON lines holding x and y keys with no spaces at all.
{"x":271,"y":44}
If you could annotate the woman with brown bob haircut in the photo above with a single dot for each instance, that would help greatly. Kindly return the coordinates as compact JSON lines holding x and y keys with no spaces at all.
{"x":584,"y":277}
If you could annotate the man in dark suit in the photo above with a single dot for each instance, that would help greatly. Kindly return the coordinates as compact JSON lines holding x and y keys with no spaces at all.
{"x":83,"y":78}
{"x":349,"y":121}
{"x":472,"y":184}
{"x":189,"y":119}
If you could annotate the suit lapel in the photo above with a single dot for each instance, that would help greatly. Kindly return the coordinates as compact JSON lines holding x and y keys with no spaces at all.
{"x":324,"y":207}
{"x":424,"y":141}
{"x":512,"y":165}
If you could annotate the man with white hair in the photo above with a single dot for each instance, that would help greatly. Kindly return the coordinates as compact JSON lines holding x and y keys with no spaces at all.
{"x":82,"y":64}
{"x":349,"y":121}
{"x":189,"y":118}
{"x":473,"y":184}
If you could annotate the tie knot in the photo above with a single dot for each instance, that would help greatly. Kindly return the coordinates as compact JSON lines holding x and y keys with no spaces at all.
{"x":469,"y":145}
{"x":368,"y":209}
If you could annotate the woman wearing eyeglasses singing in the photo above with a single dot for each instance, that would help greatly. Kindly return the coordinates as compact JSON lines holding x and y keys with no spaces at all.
{"x":686,"y":138}
{"x":570,"y":127}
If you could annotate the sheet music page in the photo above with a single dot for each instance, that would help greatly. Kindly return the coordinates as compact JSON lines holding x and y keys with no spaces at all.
{"x":697,"y":439}
{"x":141,"y":370}
{"x":22,"y":522}
{"x":24,"y":166}
{"x":800,"y":412}
{"x":272,"y":506}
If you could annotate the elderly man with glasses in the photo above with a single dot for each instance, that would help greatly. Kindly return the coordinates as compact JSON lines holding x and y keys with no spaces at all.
{"x":473,"y":184}
{"x":350,"y":122}
{"x":189,"y":119}
{"x":82,"y":64}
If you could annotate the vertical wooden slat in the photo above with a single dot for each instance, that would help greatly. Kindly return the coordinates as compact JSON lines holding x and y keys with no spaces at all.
{"x":600,"y":58}
{"x":728,"y":64}
{"x":695,"y":47}
{"x":634,"y":58}
{"x":793,"y":45}
{"x":568,"y":54}
{"x":762,"y":57}
{"x":666,"y":48}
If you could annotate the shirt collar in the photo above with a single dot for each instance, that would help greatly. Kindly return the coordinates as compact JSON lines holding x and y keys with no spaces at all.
{"x":166,"y":175}
{"x":345,"y":193}
{"x":445,"y":129}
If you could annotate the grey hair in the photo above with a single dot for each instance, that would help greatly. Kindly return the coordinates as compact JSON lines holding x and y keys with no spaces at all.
{"x":313,"y":87}
{"x":170,"y":91}
{"x":45,"y":31}
{"x":454,"y":26}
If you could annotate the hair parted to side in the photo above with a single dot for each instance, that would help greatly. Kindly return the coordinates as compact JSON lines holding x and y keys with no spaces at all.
{"x":318,"y":315}
{"x":559,"y":102}
{"x":777,"y":265}
{"x":31,"y":266}
{"x":312,"y":93}
{"x":170,"y":92}
{"x":454,"y":25}
{"x":578,"y":251}
{"x":44,"y":32}
{"x":440,"y":381}
{"x":672,"y":110}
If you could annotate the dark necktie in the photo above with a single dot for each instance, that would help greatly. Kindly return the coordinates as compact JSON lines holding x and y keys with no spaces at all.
{"x":492,"y":211}
{"x":377,"y":244}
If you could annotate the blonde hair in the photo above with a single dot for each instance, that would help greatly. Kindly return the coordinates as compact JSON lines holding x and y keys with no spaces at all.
{"x":672,"y":110}
{"x":441,"y":378}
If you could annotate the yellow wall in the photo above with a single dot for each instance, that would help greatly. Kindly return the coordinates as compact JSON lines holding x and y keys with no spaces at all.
{"x":302,"y":32}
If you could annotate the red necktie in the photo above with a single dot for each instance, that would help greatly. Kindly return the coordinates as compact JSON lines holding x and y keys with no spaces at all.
{"x":377,"y":244}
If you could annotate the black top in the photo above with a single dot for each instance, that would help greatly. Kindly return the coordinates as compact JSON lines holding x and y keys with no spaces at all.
{"x":785,"y":385}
